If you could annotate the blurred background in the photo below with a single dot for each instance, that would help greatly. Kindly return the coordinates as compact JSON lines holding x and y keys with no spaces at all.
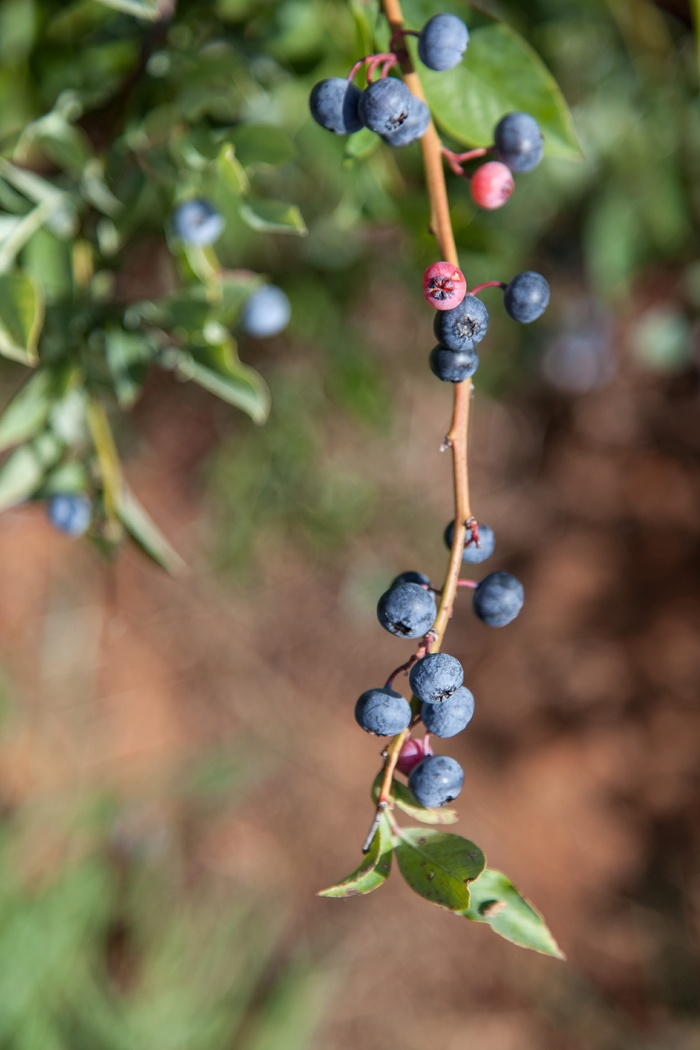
{"x":180,"y":770}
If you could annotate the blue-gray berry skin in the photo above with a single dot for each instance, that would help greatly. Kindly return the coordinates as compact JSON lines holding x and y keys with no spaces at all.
{"x":70,"y":513}
{"x":526,"y":297}
{"x":407,"y":610}
{"x":383,"y":712}
{"x":266,"y":312}
{"x":452,"y":716}
{"x":385,"y":105}
{"x":333,"y":104}
{"x":435,"y":677}
{"x":519,"y":142}
{"x":436,"y":780}
{"x":412,"y":577}
{"x":197,"y":222}
{"x":463,"y":327}
{"x":498,"y":599}
{"x":453,"y":366}
{"x":473,"y":555}
{"x":414,"y":126}
{"x":442,"y":42}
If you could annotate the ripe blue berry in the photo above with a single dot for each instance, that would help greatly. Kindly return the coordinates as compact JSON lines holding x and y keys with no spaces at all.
{"x":196,"y":222}
{"x":498,"y":599}
{"x":435,"y":677}
{"x":266,"y":312}
{"x":70,"y":513}
{"x":452,"y":716}
{"x":442,"y":42}
{"x":453,"y":366}
{"x":473,"y":555}
{"x":412,"y":577}
{"x":333,"y":104}
{"x":383,"y":712}
{"x":519,"y":141}
{"x":414,"y":126}
{"x":385,"y":105}
{"x":407,"y":610}
{"x":436,"y":780}
{"x":462,"y":327}
{"x":526,"y":297}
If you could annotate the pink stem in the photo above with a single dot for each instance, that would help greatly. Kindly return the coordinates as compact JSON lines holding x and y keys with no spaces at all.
{"x":487,"y":284}
{"x":466,"y":583}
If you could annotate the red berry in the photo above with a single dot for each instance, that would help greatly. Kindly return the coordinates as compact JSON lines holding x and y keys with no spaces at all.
{"x":444,"y":285}
{"x":412,"y":752}
{"x":492,"y":185}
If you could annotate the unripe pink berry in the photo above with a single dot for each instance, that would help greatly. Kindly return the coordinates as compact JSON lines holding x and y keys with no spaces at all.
{"x":491,"y":185}
{"x":444,"y":285}
{"x":412,"y":752}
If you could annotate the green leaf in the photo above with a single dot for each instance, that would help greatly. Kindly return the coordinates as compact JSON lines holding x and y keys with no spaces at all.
{"x":231,"y":172}
{"x":267,"y":216}
{"x":361,"y":145}
{"x":139,"y":8}
{"x":404,"y":800}
{"x":374,"y":870}
{"x":127,"y":356}
{"x":220,"y":372}
{"x":496,"y":901}
{"x":21,"y":317}
{"x":146,"y":533}
{"x":28,"y":411}
{"x":500,"y":73}
{"x":438,"y":865}
{"x":24,"y":470}
{"x":261,"y":144}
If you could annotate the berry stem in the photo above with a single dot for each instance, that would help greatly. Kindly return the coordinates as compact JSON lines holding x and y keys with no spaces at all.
{"x":487,"y":284}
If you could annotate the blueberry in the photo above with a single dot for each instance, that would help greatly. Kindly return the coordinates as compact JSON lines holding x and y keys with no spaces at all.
{"x":412,"y":577}
{"x":452,"y":716}
{"x":196,"y":222}
{"x":473,"y":555}
{"x":383,"y":712}
{"x":498,"y":599}
{"x":385,"y":105}
{"x":435,"y":677}
{"x":414,"y":126}
{"x":266,"y":311}
{"x":519,"y":141}
{"x":407,"y":610}
{"x":464,"y":326}
{"x":453,"y":366}
{"x":526,"y":297}
{"x":436,"y":780}
{"x":442,"y":42}
{"x":71,"y":513}
{"x":333,"y":104}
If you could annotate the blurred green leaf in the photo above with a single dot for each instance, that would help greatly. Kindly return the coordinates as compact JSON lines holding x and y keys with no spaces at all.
{"x":140,"y":8}
{"x":499,"y":74}
{"x":231,"y":172}
{"x":374,"y":869}
{"x":128,"y":355}
{"x":439,"y":865}
{"x":361,"y":145}
{"x":24,"y":470}
{"x":28,"y":411}
{"x":495,"y":900}
{"x":404,"y":799}
{"x":220,"y":372}
{"x":146,"y":533}
{"x":291,"y":1012}
{"x":268,"y":216}
{"x":261,"y":144}
{"x":21,"y":317}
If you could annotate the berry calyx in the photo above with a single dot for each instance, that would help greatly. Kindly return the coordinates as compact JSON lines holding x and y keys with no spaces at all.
{"x":407,"y":610}
{"x":526,"y":297}
{"x":491,"y":185}
{"x":383,"y":712}
{"x":414,"y":126}
{"x":462,"y":327}
{"x":333,"y":103}
{"x":519,"y":141}
{"x":442,"y":42}
{"x":436,"y":780}
{"x":435,"y":677}
{"x":444,"y":286}
{"x":498,"y":599}
{"x":412,"y":752}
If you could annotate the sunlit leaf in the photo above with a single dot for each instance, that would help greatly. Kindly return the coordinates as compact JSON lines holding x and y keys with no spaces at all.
{"x":372,"y":872}
{"x":24,"y":470}
{"x":146,"y":533}
{"x":495,"y":900}
{"x":269,"y":216}
{"x":405,"y":801}
{"x":21,"y":317}
{"x":439,"y":866}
